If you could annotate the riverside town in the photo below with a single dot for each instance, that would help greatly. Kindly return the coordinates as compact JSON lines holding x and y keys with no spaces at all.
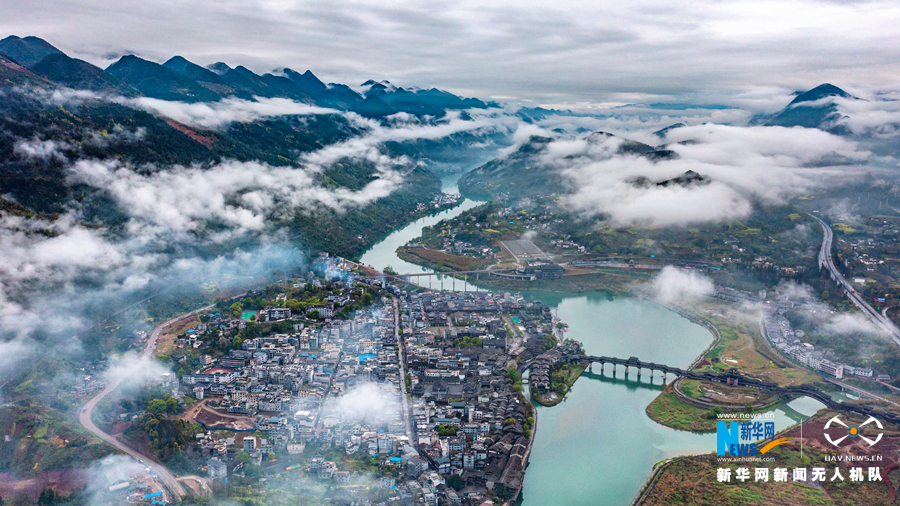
{"x":571,"y":253}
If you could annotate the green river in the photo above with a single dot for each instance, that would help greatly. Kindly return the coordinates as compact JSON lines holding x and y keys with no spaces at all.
{"x":598,"y":446}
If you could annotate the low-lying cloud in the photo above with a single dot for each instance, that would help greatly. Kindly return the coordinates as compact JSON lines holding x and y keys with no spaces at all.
{"x":49,"y":253}
{"x":133,"y":370}
{"x":118,"y":134}
{"x":853,"y":323}
{"x":822,"y":317}
{"x":41,"y":150}
{"x":241,"y":196}
{"x":60,"y":278}
{"x":744,"y":166}
{"x":679,"y":285}
{"x":875,"y":117}
{"x":215,"y":115}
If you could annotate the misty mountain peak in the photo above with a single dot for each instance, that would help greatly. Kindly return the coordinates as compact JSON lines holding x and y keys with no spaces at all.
{"x":219,"y":68}
{"x":819,"y":92}
{"x":689,"y":178}
{"x":804,"y":112}
{"x":661,"y":133}
{"x":242,"y":70}
{"x":159,"y":81}
{"x":186,"y":67}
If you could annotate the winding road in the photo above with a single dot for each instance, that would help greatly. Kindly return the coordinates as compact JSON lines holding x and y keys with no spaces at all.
{"x":168,"y":479}
{"x":826,"y":260}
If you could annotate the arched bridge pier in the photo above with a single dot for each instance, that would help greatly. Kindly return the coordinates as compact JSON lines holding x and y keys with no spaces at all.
{"x":632,"y":363}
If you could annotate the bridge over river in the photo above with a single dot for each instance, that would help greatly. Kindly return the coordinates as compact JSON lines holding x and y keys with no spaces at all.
{"x":733,"y":377}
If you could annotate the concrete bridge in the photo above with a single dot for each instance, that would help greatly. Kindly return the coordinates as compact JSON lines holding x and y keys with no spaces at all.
{"x":445,"y":273}
{"x":733,"y":377}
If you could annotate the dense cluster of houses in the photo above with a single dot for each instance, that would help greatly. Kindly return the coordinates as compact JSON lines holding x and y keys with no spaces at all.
{"x":545,"y":362}
{"x":458,"y":247}
{"x":860,"y":253}
{"x":442,"y":199}
{"x":779,"y":332}
{"x":469,"y":420}
{"x":465,"y":419}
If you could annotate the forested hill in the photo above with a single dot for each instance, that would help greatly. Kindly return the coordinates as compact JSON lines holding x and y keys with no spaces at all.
{"x":57,"y":111}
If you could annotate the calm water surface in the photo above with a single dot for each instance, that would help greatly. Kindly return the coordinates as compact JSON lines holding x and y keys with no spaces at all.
{"x":598,"y":446}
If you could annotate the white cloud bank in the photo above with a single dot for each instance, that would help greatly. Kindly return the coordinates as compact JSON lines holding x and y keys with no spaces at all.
{"x":218,"y":114}
{"x":745,"y":165}
{"x":679,"y":285}
{"x":238,"y":195}
{"x":133,"y":370}
{"x":368,"y":402}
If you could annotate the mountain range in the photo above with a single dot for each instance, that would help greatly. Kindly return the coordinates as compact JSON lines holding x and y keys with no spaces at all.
{"x":34,"y":60}
{"x":104,"y":129}
{"x":45,"y":129}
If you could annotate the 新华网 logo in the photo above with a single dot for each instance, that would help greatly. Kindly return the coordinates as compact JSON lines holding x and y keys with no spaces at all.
{"x":742,"y":438}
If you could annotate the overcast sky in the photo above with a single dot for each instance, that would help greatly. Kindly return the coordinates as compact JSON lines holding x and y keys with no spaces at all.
{"x":560,"y":52}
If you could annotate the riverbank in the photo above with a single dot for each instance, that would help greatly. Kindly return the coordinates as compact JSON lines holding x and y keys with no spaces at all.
{"x":440,"y":261}
{"x":570,"y":462}
{"x":678,"y":411}
{"x":614,"y":282}
{"x":532,"y":433}
{"x":670,"y":411}
{"x":568,"y":459}
{"x":693,"y":479}
{"x":562,"y":378}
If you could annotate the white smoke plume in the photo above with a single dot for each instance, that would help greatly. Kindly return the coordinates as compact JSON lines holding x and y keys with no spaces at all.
{"x":106,"y":472}
{"x":133,"y":370}
{"x":368,"y":402}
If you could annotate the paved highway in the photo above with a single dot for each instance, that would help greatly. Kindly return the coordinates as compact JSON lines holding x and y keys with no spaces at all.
{"x":407,"y":420}
{"x":168,"y":479}
{"x":826,"y":260}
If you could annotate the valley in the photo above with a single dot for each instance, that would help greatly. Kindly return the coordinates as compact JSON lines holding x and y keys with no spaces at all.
{"x":222,"y":285}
